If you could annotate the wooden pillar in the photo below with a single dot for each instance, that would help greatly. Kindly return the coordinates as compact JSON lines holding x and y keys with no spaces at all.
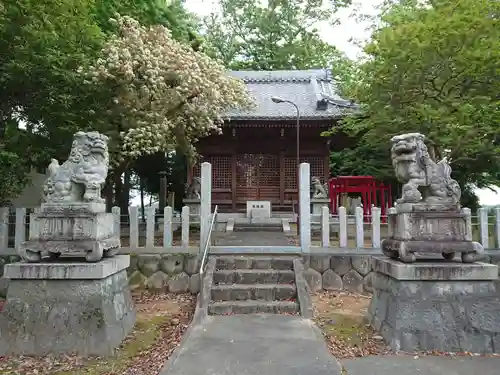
{"x":282,"y":177}
{"x":327,"y":161}
{"x":233,"y":180}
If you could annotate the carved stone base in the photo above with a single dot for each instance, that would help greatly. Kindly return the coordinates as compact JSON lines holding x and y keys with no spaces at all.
{"x":66,"y":307}
{"x":444,"y":306}
{"x":77,"y":234}
{"x":426,"y":231}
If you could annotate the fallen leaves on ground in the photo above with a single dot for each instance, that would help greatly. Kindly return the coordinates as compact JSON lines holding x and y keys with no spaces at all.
{"x":340,"y":317}
{"x":161,"y":322}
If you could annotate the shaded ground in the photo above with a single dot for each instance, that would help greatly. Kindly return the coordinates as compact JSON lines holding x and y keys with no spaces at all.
{"x":340,"y":317}
{"x":256,"y":344}
{"x":161,"y":321}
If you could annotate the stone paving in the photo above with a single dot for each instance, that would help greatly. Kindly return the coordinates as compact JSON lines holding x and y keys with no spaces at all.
{"x":254,"y":345}
{"x":251,"y":238}
{"x":426,"y":365}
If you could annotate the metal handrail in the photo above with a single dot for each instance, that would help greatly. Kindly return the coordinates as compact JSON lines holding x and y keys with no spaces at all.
{"x":207,"y":243}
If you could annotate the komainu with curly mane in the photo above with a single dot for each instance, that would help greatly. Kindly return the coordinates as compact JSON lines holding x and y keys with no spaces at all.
{"x":81,"y":177}
{"x":423,"y":178}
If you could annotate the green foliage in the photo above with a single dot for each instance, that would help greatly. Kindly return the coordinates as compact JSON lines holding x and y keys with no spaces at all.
{"x":278,"y":34}
{"x":432,"y":68}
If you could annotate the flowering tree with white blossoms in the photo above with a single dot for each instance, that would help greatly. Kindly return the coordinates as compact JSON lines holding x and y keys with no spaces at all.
{"x":166,"y":95}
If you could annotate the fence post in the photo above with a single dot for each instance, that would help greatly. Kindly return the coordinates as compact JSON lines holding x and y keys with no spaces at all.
{"x":325,"y":227}
{"x":117,"y":221}
{"x":134,"y":227}
{"x":360,"y":234}
{"x":342,"y":226}
{"x":468,"y":223}
{"x":497,"y":227}
{"x":150,"y":227}
{"x":185,"y":226}
{"x":483,"y":227}
{"x":4,"y":228}
{"x":205,"y":203}
{"x":305,"y":207}
{"x":20,"y":232}
{"x":375,"y":227}
{"x":167,"y":227}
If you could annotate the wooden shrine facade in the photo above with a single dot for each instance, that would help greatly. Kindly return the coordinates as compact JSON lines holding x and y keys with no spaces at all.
{"x":255,"y":157}
{"x":258,"y":162}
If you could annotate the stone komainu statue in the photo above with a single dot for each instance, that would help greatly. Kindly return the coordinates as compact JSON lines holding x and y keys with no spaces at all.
{"x":415,"y":168}
{"x":82,"y":176}
{"x":193,"y":190}
{"x":318,"y":190}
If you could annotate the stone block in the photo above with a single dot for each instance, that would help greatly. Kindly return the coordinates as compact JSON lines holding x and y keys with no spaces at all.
{"x":134,"y":259}
{"x":157,"y":281}
{"x":67,"y":312}
{"x":340,"y":264}
{"x":172,"y":264}
{"x":194,"y":283}
{"x":457,"y":314}
{"x":362,"y":264}
{"x":179,"y":283}
{"x":353,"y":282}
{"x":368,"y":282}
{"x":149,"y":264}
{"x":137,"y":280}
{"x":191,"y":264}
{"x":435,"y":270}
{"x":320,"y":262}
{"x":314,"y":279}
{"x":332,"y":281}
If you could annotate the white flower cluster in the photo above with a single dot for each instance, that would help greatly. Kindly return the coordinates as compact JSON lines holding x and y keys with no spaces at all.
{"x":166,"y":93}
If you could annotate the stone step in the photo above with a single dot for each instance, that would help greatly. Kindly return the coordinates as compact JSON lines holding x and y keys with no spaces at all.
{"x":252,"y":307}
{"x":242,"y":292}
{"x":258,"y":228}
{"x":254,"y":262}
{"x":254,"y":276}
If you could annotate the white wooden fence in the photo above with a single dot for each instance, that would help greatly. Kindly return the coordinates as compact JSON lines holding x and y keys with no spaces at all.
{"x":338,"y":231}
{"x":484,"y":228}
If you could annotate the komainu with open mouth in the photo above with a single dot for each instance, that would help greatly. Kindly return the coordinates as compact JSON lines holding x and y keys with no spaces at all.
{"x":81,"y":177}
{"x":416,"y":169}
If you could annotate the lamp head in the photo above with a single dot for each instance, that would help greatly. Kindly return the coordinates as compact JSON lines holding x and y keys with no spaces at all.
{"x":277,"y":100}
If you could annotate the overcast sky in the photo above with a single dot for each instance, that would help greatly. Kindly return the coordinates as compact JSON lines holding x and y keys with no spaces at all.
{"x":341,"y":36}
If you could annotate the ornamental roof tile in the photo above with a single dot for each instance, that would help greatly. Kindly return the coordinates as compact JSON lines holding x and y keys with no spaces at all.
{"x":313,"y":91}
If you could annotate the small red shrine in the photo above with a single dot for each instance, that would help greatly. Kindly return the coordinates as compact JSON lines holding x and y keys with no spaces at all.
{"x":372,"y":192}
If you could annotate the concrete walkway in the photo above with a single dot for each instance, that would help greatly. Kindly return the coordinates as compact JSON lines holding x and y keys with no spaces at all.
{"x":254,"y":345}
{"x":426,"y":365}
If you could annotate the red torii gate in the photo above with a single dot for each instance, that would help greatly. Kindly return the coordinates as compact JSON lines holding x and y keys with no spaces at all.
{"x":371,"y":191}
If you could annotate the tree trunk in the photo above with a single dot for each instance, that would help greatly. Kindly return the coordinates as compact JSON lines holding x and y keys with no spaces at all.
{"x":142,"y":199}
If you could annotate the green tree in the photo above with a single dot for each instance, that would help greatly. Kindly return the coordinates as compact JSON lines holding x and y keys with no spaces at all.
{"x":432,"y":67}
{"x":278,"y":34}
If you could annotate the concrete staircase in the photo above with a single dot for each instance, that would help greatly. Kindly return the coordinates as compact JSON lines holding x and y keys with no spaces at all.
{"x":253,"y":284}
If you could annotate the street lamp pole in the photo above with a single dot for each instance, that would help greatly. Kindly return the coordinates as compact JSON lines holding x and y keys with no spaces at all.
{"x":297,"y":131}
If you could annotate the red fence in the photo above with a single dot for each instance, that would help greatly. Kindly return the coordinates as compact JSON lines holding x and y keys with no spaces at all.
{"x":372,"y":192}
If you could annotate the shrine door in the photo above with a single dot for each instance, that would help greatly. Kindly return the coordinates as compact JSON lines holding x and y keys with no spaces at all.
{"x":257,"y":177}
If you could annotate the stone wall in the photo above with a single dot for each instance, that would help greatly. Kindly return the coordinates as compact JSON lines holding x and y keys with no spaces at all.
{"x":176,"y":273}
{"x":347,"y":272}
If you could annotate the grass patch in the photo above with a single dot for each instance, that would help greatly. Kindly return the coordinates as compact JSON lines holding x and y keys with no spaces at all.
{"x":145,"y":334}
{"x":345,"y":328}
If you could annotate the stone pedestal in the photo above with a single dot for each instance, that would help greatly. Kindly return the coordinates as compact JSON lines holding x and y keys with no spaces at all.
{"x":66,"y":307}
{"x":430,"y":229}
{"x":441,"y":305}
{"x":194,"y":205}
{"x":75,"y":229}
{"x":317,"y":205}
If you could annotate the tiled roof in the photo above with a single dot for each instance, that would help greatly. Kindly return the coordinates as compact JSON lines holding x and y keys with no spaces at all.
{"x":313,"y":91}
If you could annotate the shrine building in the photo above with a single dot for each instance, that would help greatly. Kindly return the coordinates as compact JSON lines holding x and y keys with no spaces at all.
{"x":255,"y":157}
